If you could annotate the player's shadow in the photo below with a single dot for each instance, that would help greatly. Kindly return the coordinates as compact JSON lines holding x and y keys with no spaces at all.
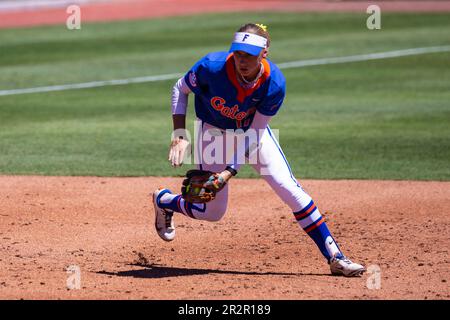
{"x":153,"y":271}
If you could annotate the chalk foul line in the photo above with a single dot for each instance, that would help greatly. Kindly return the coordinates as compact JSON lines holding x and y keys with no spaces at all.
{"x":284,"y":65}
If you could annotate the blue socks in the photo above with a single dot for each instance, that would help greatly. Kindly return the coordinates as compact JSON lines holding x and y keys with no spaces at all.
{"x":174,"y":202}
{"x":313,"y":223}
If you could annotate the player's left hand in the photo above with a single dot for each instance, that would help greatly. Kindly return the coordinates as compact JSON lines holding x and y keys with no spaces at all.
{"x":202,"y":186}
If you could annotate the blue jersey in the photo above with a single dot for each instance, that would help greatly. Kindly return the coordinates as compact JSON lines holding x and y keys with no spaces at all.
{"x":222,"y":102}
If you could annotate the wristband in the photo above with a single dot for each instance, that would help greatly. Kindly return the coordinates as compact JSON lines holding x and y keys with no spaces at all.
{"x":231,"y":170}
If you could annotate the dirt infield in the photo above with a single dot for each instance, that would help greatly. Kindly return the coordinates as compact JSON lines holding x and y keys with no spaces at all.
{"x":104,"y":226}
{"x":146,"y":9}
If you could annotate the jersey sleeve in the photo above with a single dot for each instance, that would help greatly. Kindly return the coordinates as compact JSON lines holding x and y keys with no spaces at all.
{"x":273,"y":101}
{"x":196,"y":78}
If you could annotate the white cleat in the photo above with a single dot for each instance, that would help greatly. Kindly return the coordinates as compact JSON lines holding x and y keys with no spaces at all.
{"x":164,"y":224}
{"x":341,"y":266}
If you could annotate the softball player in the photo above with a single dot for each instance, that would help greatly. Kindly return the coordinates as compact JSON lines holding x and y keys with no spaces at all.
{"x":240,"y":90}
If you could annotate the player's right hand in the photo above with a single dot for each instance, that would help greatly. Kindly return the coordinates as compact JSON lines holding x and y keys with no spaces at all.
{"x":177,"y":150}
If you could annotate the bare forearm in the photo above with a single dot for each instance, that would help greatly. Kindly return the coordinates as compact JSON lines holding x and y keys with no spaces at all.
{"x":179,"y":141}
{"x":179,"y":121}
{"x":226,"y":175}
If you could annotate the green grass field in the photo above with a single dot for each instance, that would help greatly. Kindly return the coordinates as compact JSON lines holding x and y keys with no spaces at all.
{"x":383,"y":119}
